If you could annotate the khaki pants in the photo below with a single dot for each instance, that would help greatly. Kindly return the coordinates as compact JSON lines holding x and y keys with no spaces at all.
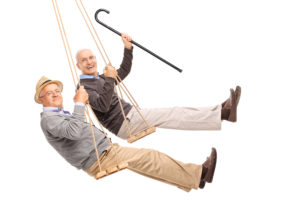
{"x":182,"y":118}
{"x":152,"y":164}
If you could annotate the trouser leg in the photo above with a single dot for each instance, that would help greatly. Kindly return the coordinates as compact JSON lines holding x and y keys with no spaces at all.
{"x":153,"y":164}
{"x":181,"y":118}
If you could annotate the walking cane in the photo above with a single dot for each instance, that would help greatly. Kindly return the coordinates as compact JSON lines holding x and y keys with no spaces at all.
{"x":133,"y":42}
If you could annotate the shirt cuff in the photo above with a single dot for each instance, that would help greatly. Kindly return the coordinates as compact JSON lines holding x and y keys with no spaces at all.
{"x":79,"y":104}
{"x":129,"y":50}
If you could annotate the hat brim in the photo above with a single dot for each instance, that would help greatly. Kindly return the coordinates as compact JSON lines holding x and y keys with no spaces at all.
{"x":37,"y":93}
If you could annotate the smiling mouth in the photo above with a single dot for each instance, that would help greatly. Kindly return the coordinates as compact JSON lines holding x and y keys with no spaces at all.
{"x":90,"y":67}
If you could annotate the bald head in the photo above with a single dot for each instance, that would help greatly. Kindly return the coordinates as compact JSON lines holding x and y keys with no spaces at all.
{"x":86,"y":62}
{"x":81,"y":52}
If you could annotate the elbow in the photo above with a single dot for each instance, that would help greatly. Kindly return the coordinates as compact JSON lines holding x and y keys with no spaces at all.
{"x":101,"y":108}
{"x":100,"y":104}
{"x":74,"y":132}
{"x":104,"y":108}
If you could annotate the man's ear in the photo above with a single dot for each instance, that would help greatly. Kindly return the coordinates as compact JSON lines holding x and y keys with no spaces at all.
{"x":40,"y":101}
{"x":77,"y":64}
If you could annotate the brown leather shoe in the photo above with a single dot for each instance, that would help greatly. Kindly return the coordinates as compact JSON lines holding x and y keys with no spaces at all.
{"x":208,"y":168}
{"x":229,"y":107}
{"x":202,"y":184}
{"x":232,"y":115}
{"x":237,"y":92}
{"x":234,"y":104}
{"x":210,"y":164}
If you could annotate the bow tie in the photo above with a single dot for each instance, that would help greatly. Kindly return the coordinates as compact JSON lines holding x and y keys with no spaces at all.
{"x":62,"y":111}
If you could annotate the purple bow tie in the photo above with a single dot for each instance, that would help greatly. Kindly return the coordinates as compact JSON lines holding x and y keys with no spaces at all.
{"x":64,"y":111}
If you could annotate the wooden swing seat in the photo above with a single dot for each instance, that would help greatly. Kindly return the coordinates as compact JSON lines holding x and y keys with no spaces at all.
{"x":101,"y":174}
{"x":141,"y":134}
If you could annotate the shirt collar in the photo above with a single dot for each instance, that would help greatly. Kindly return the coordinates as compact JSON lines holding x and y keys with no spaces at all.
{"x":50,"y":109}
{"x":86,"y":76}
{"x":55,"y":109}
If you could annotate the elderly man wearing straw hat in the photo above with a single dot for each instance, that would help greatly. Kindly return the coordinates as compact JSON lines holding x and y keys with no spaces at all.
{"x":105,"y":104}
{"x":71,"y":137}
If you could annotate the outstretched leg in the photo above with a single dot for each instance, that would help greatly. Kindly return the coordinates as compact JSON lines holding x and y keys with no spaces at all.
{"x":184,"y":118}
{"x":159,"y":166}
{"x":180,"y":118}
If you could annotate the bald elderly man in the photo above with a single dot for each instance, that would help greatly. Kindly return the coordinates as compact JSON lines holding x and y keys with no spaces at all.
{"x":71,"y":137}
{"x":105,"y":104}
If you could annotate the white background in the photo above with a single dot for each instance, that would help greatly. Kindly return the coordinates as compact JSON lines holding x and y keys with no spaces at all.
{"x":218,"y":44}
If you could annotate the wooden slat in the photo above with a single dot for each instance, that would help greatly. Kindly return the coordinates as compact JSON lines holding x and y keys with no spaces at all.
{"x":112,"y":170}
{"x":141,"y":134}
{"x":123,"y":165}
{"x":100,"y":174}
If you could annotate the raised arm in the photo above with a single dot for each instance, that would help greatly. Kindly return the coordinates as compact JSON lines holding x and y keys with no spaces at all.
{"x":71,"y":128}
{"x":126,"y":64}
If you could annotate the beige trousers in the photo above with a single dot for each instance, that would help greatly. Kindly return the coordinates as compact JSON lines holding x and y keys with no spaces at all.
{"x":182,"y":118}
{"x":152,"y":164}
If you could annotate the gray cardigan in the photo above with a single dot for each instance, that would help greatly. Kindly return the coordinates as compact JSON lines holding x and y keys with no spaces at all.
{"x":71,"y":137}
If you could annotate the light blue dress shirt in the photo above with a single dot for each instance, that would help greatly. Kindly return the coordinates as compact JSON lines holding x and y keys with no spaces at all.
{"x":61,"y":111}
{"x":86,"y":76}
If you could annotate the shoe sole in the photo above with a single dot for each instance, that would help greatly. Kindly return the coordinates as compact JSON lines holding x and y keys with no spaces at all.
{"x":232,"y":115}
{"x":211,"y":170}
{"x":202,"y":184}
{"x":238,"y":91}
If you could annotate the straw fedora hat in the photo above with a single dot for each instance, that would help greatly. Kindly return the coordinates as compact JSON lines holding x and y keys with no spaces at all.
{"x":43,"y":82}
